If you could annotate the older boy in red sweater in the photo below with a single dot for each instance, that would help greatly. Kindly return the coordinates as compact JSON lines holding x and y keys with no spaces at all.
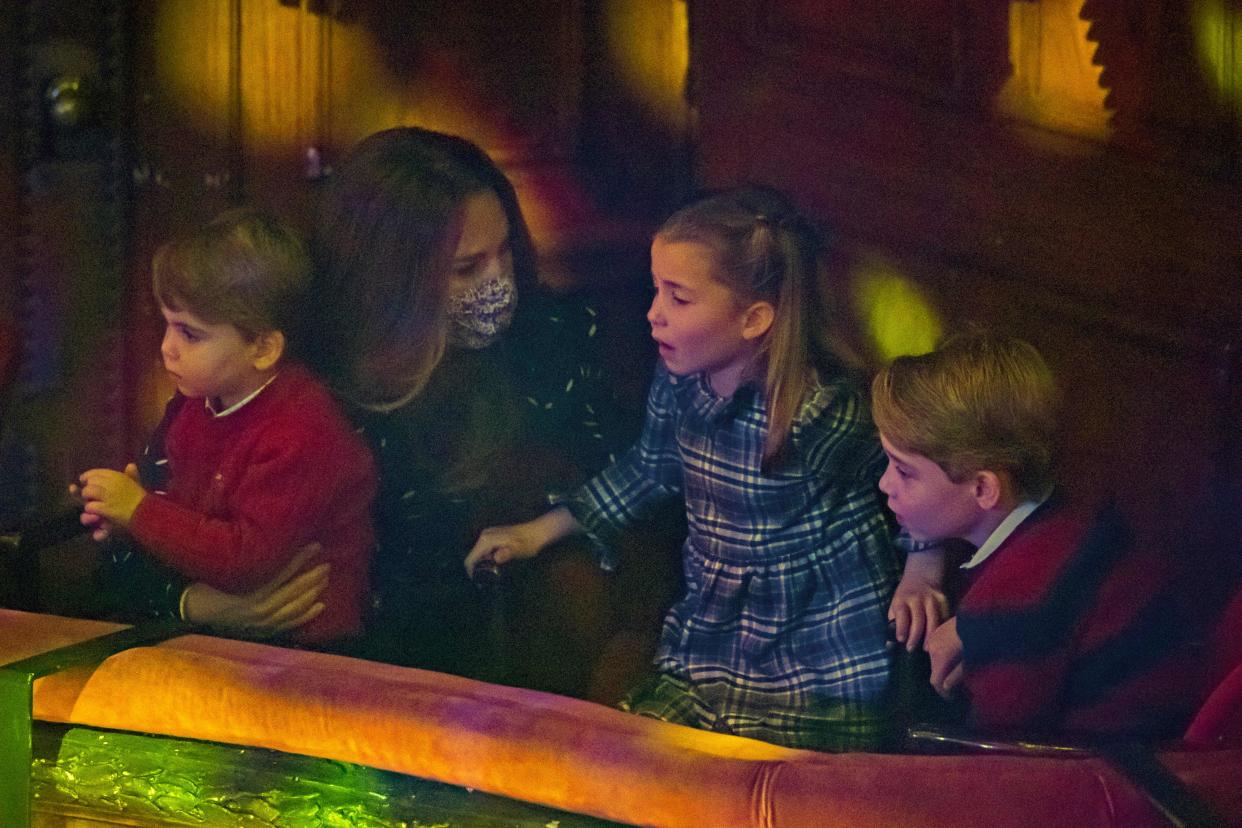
{"x":1063,"y":625}
{"x":260,"y":460}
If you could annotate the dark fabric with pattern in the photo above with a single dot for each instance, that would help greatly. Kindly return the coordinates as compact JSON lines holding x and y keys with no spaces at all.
{"x":492,"y":433}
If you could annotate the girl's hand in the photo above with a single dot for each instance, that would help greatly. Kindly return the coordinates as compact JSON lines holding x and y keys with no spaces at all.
{"x":93,"y":518}
{"x":918,"y":605}
{"x":945,"y":648}
{"x":284,"y":603}
{"x":501,"y":544}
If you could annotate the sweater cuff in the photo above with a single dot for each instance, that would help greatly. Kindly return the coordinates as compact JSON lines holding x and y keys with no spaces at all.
{"x":574,"y":501}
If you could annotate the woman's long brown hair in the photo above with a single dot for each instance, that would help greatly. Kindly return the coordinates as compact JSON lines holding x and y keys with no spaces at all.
{"x":387,"y":228}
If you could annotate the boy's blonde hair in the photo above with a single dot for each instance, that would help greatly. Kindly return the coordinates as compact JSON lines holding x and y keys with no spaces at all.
{"x":245,"y":268}
{"x":978,"y":402}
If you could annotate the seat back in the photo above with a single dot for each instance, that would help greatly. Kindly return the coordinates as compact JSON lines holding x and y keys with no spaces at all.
{"x":1219,"y":720}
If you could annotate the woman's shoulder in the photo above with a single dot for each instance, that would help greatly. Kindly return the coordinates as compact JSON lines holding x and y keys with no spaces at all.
{"x":550,"y":319}
{"x":554,"y":344}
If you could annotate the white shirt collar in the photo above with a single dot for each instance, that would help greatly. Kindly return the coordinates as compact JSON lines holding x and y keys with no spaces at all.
{"x":235,"y":406}
{"x":1002,"y":532}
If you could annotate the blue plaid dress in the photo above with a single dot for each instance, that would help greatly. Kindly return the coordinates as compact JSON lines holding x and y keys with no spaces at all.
{"x":781,"y":632}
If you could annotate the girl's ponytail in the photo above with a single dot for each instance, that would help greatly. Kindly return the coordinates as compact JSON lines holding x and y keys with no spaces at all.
{"x":767,"y":250}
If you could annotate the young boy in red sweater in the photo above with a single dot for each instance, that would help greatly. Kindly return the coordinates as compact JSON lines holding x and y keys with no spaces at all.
{"x":1063,"y":625}
{"x":260,"y":461}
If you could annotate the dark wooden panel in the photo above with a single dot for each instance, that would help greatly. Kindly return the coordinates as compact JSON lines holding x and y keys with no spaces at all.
{"x":67,"y":202}
{"x":912,"y":43}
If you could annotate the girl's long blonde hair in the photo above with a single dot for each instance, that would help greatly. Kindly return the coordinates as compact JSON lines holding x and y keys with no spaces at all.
{"x":766,"y":250}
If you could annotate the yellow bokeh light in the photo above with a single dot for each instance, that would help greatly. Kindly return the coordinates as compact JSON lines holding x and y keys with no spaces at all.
{"x":310,"y":81}
{"x":1055,"y":83}
{"x":897,"y":317}
{"x":649,"y":43}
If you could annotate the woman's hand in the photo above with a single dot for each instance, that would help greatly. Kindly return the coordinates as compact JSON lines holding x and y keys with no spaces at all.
{"x":284,"y":603}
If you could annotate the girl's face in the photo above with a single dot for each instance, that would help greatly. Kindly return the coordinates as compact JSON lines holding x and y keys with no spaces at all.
{"x":697,"y":321}
{"x":210,"y":360}
{"x":926,"y":501}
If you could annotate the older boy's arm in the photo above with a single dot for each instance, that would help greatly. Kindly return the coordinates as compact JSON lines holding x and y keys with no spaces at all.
{"x":1011,"y":687}
{"x":919,"y":604}
{"x":944,"y":648}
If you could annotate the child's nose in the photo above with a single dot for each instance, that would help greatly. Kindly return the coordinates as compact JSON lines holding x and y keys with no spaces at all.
{"x":166,"y":347}
{"x":654,"y":315}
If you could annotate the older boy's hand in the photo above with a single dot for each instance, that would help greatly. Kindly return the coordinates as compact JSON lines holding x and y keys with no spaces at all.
{"x":102,"y":528}
{"x":918,"y":605}
{"x":945,"y":649}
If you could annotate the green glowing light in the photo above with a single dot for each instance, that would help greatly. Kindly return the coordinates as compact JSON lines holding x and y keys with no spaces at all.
{"x":1218,"y":40}
{"x":130,"y":776}
{"x":898,"y":318}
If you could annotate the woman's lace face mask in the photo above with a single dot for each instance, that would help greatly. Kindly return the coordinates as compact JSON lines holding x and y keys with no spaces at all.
{"x":482,"y":312}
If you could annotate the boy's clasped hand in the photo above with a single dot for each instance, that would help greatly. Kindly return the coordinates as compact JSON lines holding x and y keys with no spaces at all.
{"x":109,"y":498}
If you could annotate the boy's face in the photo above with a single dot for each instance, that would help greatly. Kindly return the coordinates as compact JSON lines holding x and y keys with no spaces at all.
{"x":926,"y":502}
{"x":209,"y":360}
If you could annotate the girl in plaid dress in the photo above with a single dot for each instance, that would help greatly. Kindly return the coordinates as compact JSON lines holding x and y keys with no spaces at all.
{"x":753,"y":418}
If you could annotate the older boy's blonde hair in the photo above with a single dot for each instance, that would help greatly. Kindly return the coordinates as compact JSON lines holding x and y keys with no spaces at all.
{"x":978,"y":402}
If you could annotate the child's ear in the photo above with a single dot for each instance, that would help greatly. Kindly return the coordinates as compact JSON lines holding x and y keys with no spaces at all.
{"x":757,"y":320}
{"x":268,"y":347}
{"x":989,"y":489}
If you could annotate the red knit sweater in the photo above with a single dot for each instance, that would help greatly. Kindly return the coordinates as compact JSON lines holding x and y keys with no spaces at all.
{"x":1067,"y":628}
{"x":249,"y":489}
